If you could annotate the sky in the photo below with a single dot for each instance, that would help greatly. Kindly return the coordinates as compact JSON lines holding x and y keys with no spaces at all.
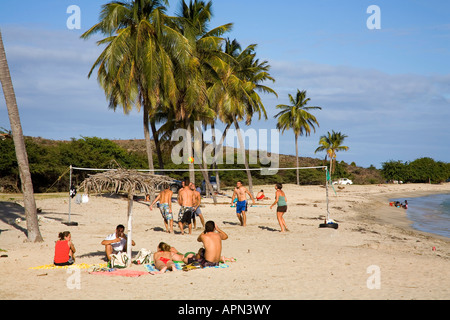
{"x":386,"y":88}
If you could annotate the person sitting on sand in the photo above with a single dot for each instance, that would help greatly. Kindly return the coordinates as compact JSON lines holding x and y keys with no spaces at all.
{"x":116,"y":242}
{"x":165,"y":206}
{"x":212,"y":242}
{"x":64,"y":250}
{"x":164,"y":258}
{"x":405,"y":206}
{"x":260,"y":195}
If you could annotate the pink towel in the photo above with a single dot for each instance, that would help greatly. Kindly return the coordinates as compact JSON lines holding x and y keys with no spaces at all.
{"x":123,"y":273}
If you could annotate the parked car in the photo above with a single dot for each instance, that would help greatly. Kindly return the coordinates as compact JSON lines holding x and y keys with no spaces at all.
{"x":176,"y":186}
{"x":344,"y":181}
{"x":213,"y":182}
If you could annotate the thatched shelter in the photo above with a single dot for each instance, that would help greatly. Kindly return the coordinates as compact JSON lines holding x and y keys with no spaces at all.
{"x":128,"y":181}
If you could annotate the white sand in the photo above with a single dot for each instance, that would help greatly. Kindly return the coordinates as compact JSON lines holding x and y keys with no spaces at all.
{"x":305,"y":263}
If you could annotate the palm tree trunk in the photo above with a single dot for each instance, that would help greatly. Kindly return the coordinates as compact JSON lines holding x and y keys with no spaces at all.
{"x":242,"y":150}
{"x":33,"y":232}
{"x":148,"y":143}
{"x":296,"y":156}
{"x":190,"y":151}
{"x":214,"y":164}
{"x":157,"y":144}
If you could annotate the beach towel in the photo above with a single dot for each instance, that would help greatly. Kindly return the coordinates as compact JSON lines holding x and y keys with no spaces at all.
{"x":121,"y":272}
{"x":181,"y":266}
{"x":77,"y":266}
{"x":152,"y":268}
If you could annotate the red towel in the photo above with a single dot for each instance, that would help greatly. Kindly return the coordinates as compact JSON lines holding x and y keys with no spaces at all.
{"x":123,"y":273}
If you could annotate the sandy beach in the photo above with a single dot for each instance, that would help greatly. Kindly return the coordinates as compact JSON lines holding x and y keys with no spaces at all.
{"x":307,"y":262}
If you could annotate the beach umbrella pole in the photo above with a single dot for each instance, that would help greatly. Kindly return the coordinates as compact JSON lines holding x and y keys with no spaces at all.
{"x":130,"y":227}
{"x":328,"y":202}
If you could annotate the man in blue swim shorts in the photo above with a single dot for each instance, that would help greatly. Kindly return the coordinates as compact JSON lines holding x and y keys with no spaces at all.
{"x":165,"y":206}
{"x":240,"y":192}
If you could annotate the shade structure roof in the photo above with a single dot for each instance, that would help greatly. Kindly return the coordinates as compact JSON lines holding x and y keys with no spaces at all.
{"x":123,"y":180}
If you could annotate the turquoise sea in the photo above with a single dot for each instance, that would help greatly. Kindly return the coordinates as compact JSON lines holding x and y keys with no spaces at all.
{"x":430,"y":214}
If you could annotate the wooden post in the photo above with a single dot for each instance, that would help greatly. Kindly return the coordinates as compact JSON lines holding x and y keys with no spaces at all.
{"x":130,"y":227}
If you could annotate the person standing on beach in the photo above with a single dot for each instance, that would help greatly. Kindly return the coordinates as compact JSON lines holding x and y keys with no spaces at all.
{"x":186,"y":201}
{"x":197,"y":201}
{"x":165,"y":206}
{"x":281,"y":202}
{"x":241,"y":205}
{"x":212,"y":239}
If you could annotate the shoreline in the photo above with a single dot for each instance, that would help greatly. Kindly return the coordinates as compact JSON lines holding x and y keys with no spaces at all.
{"x":397,"y":216}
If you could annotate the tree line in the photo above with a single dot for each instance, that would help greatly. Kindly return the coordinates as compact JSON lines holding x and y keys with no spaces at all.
{"x":422,"y":170}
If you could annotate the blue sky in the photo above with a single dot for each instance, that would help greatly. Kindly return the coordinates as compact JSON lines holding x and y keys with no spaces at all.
{"x":387,"y":89}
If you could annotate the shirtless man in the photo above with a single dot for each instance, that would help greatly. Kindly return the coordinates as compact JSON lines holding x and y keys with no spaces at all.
{"x":197,"y":200}
{"x":241,"y":206}
{"x":165,"y":206}
{"x":212,"y":241}
{"x":186,"y":201}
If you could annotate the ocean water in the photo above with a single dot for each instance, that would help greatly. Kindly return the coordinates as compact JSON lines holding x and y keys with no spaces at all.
{"x":430,"y":214}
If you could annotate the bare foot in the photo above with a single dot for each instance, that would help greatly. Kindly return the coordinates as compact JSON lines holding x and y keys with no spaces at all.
{"x":159,"y":272}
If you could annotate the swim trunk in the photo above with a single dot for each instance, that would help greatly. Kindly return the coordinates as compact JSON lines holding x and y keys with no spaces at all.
{"x":241,"y":206}
{"x":185,"y":215}
{"x":164,"y":208}
{"x":197,"y":212}
{"x":281,"y":208}
{"x":203,"y":262}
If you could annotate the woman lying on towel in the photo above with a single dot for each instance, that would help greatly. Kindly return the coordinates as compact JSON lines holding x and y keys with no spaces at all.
{"x":165,"y":256}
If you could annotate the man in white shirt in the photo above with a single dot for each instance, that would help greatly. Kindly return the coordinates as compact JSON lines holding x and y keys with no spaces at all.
{"x":116,"y":242}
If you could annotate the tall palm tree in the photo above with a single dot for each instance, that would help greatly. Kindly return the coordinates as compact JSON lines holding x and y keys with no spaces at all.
{"x":297,"y":117}
{"x":136,"y":68}
{"x":241,"y":86}
{"x":197,"y":74}
{"x":332,"y":143}
{"x":33,"y":232}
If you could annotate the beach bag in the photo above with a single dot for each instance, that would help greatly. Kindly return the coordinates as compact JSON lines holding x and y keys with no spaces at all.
{"x":144,"y":256}
{"x":119,"y":260}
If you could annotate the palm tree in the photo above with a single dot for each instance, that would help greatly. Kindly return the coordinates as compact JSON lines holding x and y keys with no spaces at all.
{"x":297,"y":117}
{"x":196,"y":75}
{"x":241,"y":86}
{"x":33,"y":232}
{"x":332,"y":143}
{"x":136,"y":68}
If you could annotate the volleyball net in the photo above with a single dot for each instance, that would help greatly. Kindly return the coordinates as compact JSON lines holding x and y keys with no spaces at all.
{"x":262,"y":170}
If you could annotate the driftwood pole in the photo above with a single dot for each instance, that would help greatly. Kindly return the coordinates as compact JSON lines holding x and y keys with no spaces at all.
{"x":130,"y":227}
